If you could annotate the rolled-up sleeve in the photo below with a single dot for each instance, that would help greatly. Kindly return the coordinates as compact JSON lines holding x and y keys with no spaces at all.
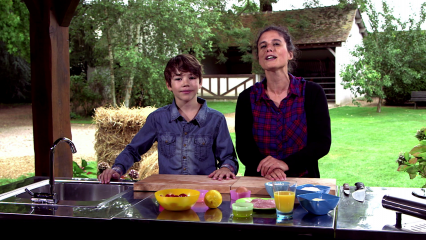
{"x":139,"y":145}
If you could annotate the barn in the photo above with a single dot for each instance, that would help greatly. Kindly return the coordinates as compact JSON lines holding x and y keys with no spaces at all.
{"x":324,"y":36}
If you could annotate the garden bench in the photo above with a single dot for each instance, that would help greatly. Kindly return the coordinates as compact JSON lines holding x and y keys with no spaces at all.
{"x":418,"y":96}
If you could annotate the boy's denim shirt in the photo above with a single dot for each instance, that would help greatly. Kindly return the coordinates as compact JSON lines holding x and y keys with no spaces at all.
{"x":197,"y":147}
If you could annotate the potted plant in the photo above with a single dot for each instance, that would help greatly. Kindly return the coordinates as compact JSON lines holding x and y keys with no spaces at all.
{"x":414,"y":161}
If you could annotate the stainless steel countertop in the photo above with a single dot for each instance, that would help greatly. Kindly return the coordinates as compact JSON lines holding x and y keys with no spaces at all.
{"x":142,"y":207}
{"x":369,"y":220}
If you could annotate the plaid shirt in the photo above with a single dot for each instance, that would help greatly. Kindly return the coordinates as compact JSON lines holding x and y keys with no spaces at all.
{"x":280,"y":131}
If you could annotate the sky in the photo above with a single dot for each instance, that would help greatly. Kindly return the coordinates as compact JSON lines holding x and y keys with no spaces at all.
{"x":401,"y":8}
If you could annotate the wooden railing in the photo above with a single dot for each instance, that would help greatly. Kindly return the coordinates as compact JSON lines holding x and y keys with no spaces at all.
{"x":328,"y":84}
{"x":220,"y":87}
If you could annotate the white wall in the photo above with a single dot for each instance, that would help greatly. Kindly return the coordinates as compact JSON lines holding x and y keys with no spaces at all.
{"x":343,"y":57}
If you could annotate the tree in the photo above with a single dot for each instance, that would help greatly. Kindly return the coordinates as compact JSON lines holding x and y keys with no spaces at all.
{"x":141,"y":36}
{"x":15,"y":28}
{"x":14,"y":52}
{"x":391,"y":55}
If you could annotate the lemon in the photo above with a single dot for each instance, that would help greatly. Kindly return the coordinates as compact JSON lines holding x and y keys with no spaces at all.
{"x":213,"y":199}
{"x":213,"y":215}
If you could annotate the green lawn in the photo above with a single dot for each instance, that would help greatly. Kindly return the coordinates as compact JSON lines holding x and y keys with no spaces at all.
{"x":366,"y":144}
{"x":223,"y":107}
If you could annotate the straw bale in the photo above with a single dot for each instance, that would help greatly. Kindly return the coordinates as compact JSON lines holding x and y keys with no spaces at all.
{"x":115,"y":128}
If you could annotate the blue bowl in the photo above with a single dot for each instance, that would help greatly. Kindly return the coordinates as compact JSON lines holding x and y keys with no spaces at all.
{"x":322,"y":189}
{"x":270,"y":189}
{"x":322,"y":207}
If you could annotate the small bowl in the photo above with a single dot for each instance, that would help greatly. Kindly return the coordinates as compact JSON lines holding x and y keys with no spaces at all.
{"x":188,"y":215}
{"x":236,"y":196}
{"x":242,"y":209}
{"x":322,"y":189}
{"x":202,"y":194}
{"x":177,"y":203}
{"x":270,"y":189}
{"x":311,"y":204}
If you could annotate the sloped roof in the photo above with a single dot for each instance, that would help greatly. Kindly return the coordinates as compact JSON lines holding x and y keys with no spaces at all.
{"x":311,"y":26}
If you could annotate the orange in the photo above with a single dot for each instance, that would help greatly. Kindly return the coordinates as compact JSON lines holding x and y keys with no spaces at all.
{"x":213,"y":199}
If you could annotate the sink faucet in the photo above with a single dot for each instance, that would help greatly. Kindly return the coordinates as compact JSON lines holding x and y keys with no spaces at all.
{"x":52,"y":151}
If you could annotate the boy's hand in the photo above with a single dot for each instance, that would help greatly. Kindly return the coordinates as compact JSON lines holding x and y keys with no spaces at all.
{"x":222,"y":173}
{"x":107,"y":175}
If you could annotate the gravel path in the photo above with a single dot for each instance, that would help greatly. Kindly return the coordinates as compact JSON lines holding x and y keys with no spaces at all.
{"x":16,"y":142}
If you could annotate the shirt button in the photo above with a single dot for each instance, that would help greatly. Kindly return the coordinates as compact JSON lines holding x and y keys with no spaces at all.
{"x":184,"y":157}
{"x":184,"y":145}
{"x":184,"y":168}
{"x":186,"y":133}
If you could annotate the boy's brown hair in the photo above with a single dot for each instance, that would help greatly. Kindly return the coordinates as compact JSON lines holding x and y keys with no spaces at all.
{"x":183,"y":63}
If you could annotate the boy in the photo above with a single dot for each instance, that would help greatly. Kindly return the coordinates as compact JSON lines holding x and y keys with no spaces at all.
{"x":192,"y":138}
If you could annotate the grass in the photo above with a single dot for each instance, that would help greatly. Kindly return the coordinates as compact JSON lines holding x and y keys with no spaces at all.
{"x":83,"y":120}
{"x":223,"y":107}
{"x":4,"y":181}
{"x":365,"y":144}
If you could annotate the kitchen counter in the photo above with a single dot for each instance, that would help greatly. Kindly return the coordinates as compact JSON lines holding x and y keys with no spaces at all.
{"x":140,"y":209}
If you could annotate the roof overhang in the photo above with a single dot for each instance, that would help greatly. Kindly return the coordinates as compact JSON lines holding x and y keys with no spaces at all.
{"x":318,"y":45}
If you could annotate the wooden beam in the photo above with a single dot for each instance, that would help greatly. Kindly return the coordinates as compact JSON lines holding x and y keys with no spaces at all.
{"x":64,"y":11}
{"x":50,"y":86}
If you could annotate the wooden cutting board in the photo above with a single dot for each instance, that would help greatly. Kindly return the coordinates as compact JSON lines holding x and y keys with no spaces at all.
{"x":165,"y":181}
{"x":257,"y":184}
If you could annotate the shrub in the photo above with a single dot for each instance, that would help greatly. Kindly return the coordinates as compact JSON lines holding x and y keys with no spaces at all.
{"x":86,"y":94}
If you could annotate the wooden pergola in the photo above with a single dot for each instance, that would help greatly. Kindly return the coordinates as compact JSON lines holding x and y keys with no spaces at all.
{"x":50,"y":82}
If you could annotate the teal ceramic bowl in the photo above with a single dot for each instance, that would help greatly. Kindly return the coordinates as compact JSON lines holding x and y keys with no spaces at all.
{"x":318,"y":203}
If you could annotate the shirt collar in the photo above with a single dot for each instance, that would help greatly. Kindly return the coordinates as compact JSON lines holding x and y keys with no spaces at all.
{"x":201,"y":116}
{"x":294,"y":88}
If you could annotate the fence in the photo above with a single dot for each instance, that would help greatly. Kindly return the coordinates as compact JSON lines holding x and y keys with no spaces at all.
{"x":228,"y":87}
{"x":225,"y":87}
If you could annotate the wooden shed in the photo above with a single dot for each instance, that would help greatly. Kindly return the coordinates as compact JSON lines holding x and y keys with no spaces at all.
{"x":325,"y":36}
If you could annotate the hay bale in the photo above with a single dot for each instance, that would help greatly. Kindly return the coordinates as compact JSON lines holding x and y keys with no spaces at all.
{"x":115,"y":128}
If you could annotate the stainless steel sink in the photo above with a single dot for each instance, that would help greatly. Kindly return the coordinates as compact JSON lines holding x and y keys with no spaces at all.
{"x":74,"y":193}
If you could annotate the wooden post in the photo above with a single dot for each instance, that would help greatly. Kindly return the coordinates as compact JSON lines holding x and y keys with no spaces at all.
{"x":50,"y":82}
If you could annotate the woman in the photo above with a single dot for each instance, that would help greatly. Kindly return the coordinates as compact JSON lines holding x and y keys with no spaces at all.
{"x":282,"y":124}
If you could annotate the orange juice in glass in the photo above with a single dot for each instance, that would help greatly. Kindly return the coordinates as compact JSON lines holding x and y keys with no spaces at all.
{"x":284,"y":195}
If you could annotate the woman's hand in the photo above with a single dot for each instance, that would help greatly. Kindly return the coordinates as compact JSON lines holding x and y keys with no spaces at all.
{"x":276,"y":174}
{"x":107,"y":175}
{"x":268,"y":164}
{"x":222,"y":173}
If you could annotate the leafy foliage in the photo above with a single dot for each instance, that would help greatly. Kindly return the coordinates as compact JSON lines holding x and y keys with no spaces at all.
{"x":15,"y":77}
{"x":390,"y":57}
{"x":414,"y":161}
{"x":134,"y":41}
{"x":15,"y":28}
{"x":86,"y":93}
{"x":85,"y":171}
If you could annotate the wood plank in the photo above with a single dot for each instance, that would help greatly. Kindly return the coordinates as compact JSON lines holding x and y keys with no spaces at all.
{"x":165,"y":181}
{"x":257,"y":184}
{"x":50,"y":86}
{"x":64,"y":11}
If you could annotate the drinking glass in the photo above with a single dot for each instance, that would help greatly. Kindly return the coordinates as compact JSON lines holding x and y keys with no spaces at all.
{"x":284,"y":195}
